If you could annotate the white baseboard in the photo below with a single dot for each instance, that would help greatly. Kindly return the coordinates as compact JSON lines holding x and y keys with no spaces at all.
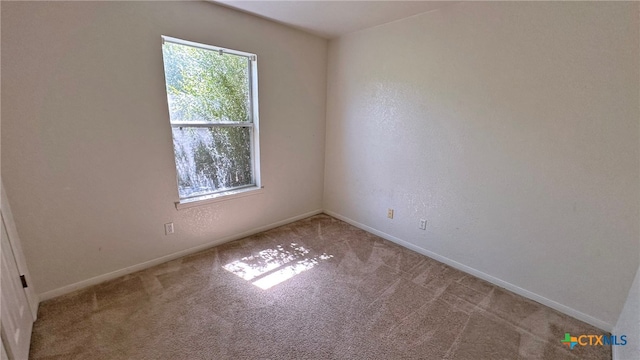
{"x":501,"y":283}
{"x":147,"y":264}
{"x":516,"y":289}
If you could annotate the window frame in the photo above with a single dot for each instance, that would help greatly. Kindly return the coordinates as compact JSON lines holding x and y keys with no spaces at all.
{"x":253,"y":125}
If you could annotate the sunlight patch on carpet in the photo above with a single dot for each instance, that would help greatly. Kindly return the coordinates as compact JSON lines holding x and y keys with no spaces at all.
{"x":273,"y":266}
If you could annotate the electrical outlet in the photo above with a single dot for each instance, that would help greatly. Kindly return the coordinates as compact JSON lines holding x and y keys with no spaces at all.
{"x":168,"y":229}
{"x":423,"y":224}
{"x":390,"y":213}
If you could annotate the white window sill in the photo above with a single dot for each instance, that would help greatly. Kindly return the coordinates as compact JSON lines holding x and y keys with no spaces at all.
{"x":214,"y":198}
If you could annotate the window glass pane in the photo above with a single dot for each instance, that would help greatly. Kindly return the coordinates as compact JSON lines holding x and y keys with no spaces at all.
{"x":204,"y":85}
{"x":212,"y":159}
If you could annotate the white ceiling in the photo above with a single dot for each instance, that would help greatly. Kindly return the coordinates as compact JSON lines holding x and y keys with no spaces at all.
{"x":331,"y":19}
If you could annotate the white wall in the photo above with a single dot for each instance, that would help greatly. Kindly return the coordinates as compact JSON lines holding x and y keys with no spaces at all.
{"x":87,"y":156}
{"x":512,"y":128}
{"x":629,"y":324}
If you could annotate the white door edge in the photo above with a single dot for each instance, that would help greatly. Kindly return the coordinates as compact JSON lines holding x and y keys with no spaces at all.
{"x":14,"y":240}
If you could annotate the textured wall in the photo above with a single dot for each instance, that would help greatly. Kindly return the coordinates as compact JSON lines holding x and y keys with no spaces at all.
{"x":512,"y":128}
{"x":87,"y":157}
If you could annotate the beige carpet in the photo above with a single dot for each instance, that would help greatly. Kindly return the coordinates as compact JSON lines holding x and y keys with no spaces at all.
{"x":315,"y":289}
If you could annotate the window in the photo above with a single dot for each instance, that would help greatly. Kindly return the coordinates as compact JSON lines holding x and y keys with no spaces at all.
{"x":213,"y":112}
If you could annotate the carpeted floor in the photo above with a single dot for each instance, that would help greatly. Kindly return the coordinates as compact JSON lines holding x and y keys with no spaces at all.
{"x":315,"y":289}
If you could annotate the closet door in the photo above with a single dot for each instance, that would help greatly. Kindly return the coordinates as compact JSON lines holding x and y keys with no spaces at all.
{"x":16,"y":319}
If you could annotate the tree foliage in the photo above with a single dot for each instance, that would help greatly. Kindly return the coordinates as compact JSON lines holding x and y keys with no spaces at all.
{"x":204,"y":85}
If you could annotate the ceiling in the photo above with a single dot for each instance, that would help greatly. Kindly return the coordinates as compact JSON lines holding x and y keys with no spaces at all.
{"x":331,"y":19}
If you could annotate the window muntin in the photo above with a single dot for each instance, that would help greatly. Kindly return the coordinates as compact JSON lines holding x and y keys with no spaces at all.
{"x":212,"y":100}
